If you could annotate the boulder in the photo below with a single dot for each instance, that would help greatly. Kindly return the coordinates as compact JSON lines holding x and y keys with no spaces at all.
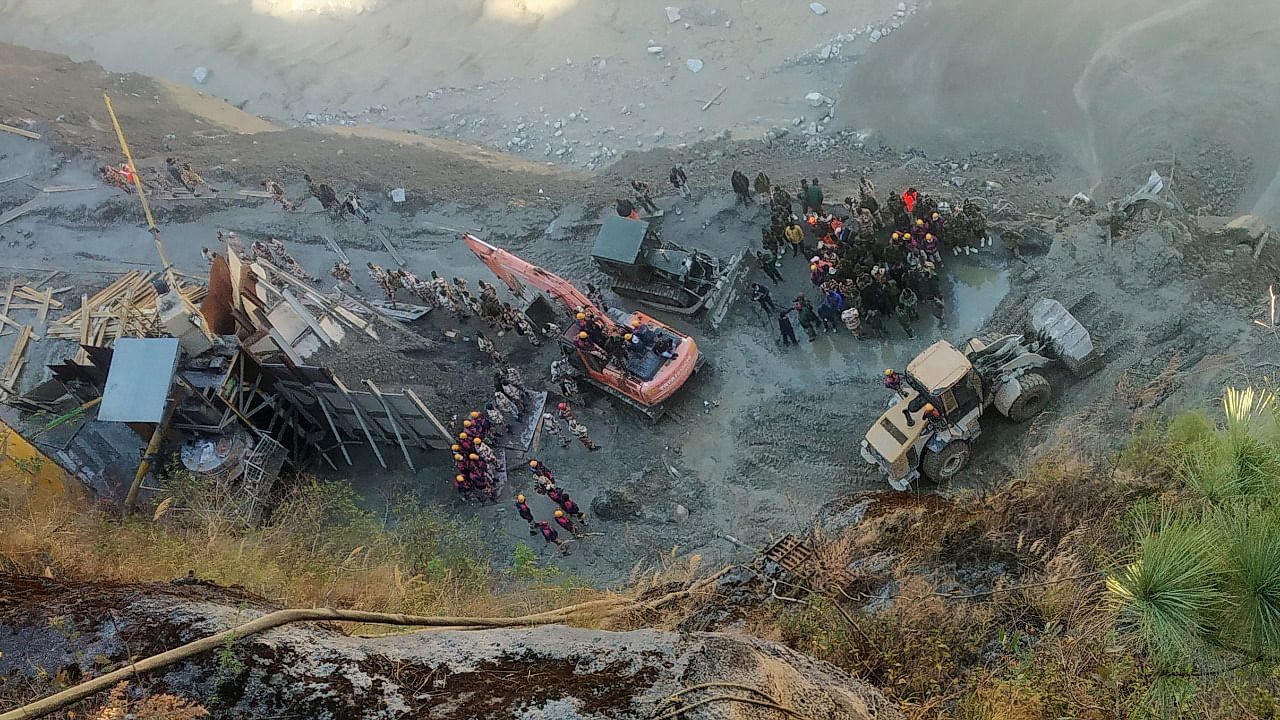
{"x":317,"y":672}
{"x":694,"y":64}
{"x":1250,"y":226}
{"x":201,"y":74}
{"x":615,"y":504}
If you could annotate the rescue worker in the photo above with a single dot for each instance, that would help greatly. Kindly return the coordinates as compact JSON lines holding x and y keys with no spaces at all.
{"x":540,"y":470}
{"x":680,"y":181}
{"x":788,"y":332}
{"x":566,"y":412}
{"x":567,"y":524}
{"x":741,"y":187}
{"x":808,"y":319}
{"x":113,"y":177}
{"x":580,"y":431}
{"x":932,"y":418}
{"x":561,"y":497}
{"x":505,"y":404}
{"x":481,"y":422}
{"x":813,"y":198}
{"x":342,"y":273}
{"x":352,"y":205}
{"x":762,"y":186}
{"x":760,"y":295}
{"x":496,"y":417}
{"x":487,"y":347}
{"x":909,"y":198}
{"x":769,"y":265}
{"x":892,"y":380}
{"x":626,"y":209}
{"x":644,"y":196}
{"x":794,"y":235}
{"x":903,"y":314}
{"x":526,"y":514}
{"x":852,"y":321}
{"x":552,"y":426}
{"x":382,"y":280}
{"x":322,"y":192}
{"x":207,"y":255}
{"x":550,"y":536}
{"x":277,"y":193}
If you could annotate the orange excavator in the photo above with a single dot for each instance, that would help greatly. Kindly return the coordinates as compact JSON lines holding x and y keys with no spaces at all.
{"x":645,"y":379}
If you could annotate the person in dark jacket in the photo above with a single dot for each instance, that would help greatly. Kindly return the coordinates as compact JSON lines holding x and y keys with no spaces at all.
{"x":788,"y":332}
{"x":741,"y":187}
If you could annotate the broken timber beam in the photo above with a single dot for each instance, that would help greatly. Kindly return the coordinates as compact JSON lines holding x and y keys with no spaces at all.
{"x":391,"y":420}
{"x":20,"y":131}
{"x":360,"y":418}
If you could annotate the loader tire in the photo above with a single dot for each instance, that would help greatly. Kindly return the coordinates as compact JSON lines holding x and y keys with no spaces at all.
{"x":1035,"y":395}
{"x":946,"y":463}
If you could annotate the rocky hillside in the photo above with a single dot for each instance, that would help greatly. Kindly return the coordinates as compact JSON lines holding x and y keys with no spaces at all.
{"x":70,"y":630}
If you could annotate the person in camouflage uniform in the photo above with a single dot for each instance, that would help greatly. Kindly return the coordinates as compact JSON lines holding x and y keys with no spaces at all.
{"x":342,"y":273}
{"x":383,"y":281}
{"x":552,"y":426}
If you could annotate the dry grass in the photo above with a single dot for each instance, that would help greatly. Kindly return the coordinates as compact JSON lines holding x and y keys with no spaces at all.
{"x":318,"y":549}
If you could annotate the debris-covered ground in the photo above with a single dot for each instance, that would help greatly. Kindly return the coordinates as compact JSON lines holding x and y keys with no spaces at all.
{"x":763,"y":439}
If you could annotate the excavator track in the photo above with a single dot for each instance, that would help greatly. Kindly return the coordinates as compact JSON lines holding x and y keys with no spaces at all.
{"x":666,"y":297}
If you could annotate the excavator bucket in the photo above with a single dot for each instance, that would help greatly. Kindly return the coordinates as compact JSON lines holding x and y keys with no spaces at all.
{"x":1070,"y":341}
{"x":726,"y":290}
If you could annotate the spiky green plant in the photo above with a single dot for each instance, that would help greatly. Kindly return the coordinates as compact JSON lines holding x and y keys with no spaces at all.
{"x":1251,"y":624}
{"x":1169,"y":592}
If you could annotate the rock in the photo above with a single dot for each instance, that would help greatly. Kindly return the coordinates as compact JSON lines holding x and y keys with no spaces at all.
{"x":614,"y":504}
{"x":397,"y":195}
{"x":817,"y":99}
{"x":694,"y":64}
{"x":993,"y":185}
{"x":680,"y":514}
{"x":825,"y":52}
{"x":1251,"y":226}
{"x":958,"y":181}
{"x":573,"y":116}
{"x":655,"y":49}
{"x":797,"y":121}
{"x":875,"y":36}
{"x":201,"y":74}
{"x":818,"y":8}
{"x":313,"y":671}
{"x":902,"y":7}
{"x":673,"y":14}
{"x":660,"y":134}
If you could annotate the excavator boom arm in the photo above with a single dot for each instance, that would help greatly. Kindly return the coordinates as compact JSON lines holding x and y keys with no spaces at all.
{"x":511,"y":268}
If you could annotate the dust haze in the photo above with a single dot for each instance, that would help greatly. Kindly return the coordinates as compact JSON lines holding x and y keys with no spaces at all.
{"x":1110,"y":86}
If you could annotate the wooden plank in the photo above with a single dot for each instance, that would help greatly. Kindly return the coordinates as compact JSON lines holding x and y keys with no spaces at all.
{"x":14,"y":365}
{"x":20,"y":131}
{"x":28,"y":292}
{"x":385,"y":236}
{"x":324,"y":407}
{"x":11,"y":178}
{"x":43,"y":314}
{"x":360,"y":418}
{"x":9,"y":321}
{"x":715,"y":100}
{"x":68,"y":188}
{"x":337,"y":249}
{"x":84,"y":320}
{"x":285,"y":347}
{"x":422,"y":407}
{"x":307,"y":317}
{"x":8,"y":299}
{"x":34,"y":203}
{"x":391,"y":420}
{"x":254,"y":193}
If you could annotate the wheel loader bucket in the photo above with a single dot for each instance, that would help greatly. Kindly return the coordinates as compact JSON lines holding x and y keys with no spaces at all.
{"x":726,"y":289}
{"x":1071,"y":342}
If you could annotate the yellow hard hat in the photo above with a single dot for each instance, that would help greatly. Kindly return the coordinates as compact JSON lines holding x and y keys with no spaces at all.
{"x":582,"y":316}
{"x":466,"y":423}
{"x":559,"y":513}
{"x":919,"y":222}
{"x":935,"y":216}
{"x":454,"y":448}
{"x":457,"y":456}
{"x":896,"y":235}
{"x":928,"y":236}
{"x":520,"y":498}
{"x":888,"y":371}
{"x":813,"y":267}
{"x":533,"y":463}
{"x":928,"y":407}
{"x":582,"y":335}
{"x":460,"y":478}
{"x":462,"y":436}
{"x":627,"y":336}
{"x":906,"y":236}
{"x":475,"y":414}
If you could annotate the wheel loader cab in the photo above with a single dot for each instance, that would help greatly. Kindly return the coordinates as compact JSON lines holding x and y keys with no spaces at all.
{"x":944,"y":376}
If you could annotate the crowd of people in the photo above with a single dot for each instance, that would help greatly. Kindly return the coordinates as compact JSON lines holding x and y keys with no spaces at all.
{"x":478,"y":465}
{"x":870,"y":264}
{"x":568,"y":515}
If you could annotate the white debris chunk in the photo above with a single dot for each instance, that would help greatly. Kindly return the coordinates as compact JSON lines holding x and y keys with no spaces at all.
{"x":673,"y":14}
{"x":694,"y":64}
{"x":818,"y":8}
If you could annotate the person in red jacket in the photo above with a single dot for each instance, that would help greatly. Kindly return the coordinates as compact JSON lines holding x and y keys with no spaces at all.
{"x":550,"y":535}
{"x":526,"y":514}
{"x":567,"y":524}
{"x":909,"y":197}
